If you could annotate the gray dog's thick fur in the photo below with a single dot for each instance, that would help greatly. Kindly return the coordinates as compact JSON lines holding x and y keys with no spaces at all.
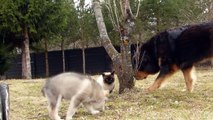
{"x":77,"y":88}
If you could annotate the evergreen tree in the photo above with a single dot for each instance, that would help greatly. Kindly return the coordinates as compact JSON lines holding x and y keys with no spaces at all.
{"x":29,"y":21}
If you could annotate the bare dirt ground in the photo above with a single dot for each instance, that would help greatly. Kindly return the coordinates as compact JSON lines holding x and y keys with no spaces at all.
{"x":171,"y":102}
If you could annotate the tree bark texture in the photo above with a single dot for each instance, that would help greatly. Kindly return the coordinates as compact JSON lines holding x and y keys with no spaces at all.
{"x":26,"y":62}
{"x":63,"y":56}
{"x":120,"y":61}
{"x":46,"y":59}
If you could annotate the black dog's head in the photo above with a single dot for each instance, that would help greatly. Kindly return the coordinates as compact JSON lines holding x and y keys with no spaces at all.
{"x":147,"y":62}
{"x":157,"y":51}
{"x":108,"y":77}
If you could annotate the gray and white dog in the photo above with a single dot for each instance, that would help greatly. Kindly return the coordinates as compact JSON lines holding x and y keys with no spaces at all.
{"x":77,"y":88}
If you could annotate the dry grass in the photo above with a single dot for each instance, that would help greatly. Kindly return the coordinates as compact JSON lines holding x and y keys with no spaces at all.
{"x":168,"y":103}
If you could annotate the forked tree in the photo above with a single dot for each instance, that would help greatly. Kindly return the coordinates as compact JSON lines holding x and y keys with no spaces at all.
{"x":124,"y":25}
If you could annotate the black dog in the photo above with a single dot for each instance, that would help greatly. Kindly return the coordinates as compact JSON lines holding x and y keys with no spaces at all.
{"x":173,"y":50}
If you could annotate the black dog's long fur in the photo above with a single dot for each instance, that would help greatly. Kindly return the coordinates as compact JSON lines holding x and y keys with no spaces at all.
{"x":176,"y":49}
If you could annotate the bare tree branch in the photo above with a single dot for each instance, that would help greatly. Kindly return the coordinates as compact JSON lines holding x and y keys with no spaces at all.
{"x":121,"y":5}
{"x":138,"y":8}
{"x":116,"y":14}
{"x":114,"y":55}
{"x":111,"y":16}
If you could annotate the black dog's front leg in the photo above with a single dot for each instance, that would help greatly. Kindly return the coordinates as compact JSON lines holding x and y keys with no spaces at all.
{"x":165,"y":72}
{"x":190,"y":77}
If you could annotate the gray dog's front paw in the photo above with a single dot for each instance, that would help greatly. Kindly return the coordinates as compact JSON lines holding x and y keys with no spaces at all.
{"x":95,"y":112}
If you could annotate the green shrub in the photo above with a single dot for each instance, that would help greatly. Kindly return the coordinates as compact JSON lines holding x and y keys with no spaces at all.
{"x":6,"y":57}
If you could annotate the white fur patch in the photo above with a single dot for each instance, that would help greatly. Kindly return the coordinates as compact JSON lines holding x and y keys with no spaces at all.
{"x":84,"y":85}
{"x":100,"y":80}
{"x":107,"y":73}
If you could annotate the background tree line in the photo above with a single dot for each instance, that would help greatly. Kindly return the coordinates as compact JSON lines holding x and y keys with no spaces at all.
{"x":42,"y":25}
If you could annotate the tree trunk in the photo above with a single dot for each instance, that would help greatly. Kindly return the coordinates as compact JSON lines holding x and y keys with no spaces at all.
{"x":125,"y":31}
{"x":63,"y":56}
{"x":121,"y":62}
{"x":46,"y":58}
{"x":26,"y":63}
{"x":84,"y":60}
